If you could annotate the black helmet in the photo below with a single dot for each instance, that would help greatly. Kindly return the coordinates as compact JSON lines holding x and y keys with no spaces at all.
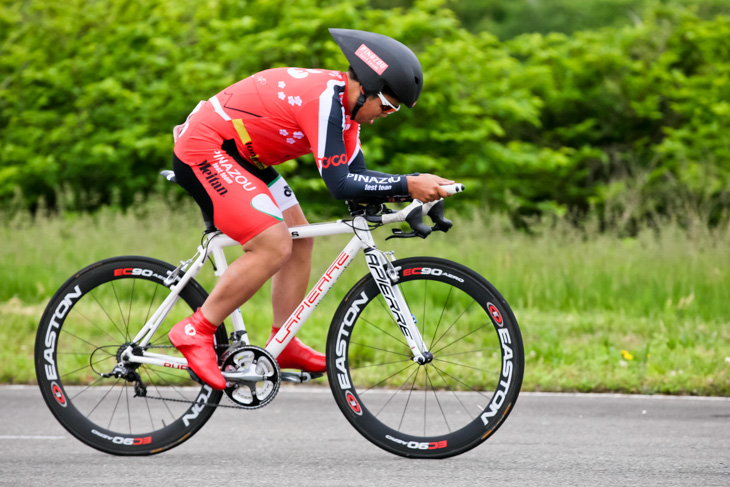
{"x":380,"y":61}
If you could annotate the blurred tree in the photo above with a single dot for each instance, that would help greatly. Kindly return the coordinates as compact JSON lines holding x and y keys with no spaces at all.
{"x":631,"y":120}
{"x":507,"y":19}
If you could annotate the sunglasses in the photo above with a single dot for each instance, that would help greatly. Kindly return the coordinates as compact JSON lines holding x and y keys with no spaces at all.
{"x":387,"y":107}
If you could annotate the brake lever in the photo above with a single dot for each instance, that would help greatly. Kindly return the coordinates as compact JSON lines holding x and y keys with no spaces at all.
{"x":415,"y":220}
{"x":398,"y":233}
{"x":436,"y":213}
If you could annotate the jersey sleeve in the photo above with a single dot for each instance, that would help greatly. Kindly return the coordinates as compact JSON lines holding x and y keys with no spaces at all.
{"x":338,"y":154}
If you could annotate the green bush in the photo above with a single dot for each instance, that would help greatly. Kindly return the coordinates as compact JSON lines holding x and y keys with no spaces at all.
{"x":631,"y":121}
{"x":510,"y":19}
{"x":652,"y":99}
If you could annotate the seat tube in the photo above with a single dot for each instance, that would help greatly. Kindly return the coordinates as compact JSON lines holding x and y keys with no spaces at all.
{"x":221,"y":264}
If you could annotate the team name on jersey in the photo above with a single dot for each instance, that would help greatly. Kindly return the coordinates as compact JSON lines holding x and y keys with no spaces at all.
{"x":374,"y":179}
{"x":231,"y":173}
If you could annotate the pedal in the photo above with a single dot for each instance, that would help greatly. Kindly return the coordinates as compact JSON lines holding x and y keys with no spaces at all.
{"x":300,"y":377}
{"x":195,"y":377}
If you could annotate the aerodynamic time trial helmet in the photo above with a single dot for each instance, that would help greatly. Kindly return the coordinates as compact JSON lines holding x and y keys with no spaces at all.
{"x":380,"y":61}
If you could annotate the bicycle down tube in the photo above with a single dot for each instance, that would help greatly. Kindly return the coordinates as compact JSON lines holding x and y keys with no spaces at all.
{"x":377,"y":262}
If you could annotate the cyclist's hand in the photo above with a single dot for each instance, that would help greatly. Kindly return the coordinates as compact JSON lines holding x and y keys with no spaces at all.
{"x":427,"y":187}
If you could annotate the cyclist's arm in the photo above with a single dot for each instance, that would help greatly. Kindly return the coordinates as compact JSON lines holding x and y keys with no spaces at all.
{"x":424,"y":187}
{"x":357,"y":166}
{"x":322,"y":123}
{"x":347,"y":182}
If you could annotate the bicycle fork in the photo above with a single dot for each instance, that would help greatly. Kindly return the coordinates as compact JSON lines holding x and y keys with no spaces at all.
{"x":386,"y":277}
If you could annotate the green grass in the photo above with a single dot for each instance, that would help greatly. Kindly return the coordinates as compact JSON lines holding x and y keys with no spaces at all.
{"x":648,"y":314}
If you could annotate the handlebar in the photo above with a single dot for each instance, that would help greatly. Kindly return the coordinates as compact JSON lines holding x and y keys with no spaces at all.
{"x":453,"y":188}
{"x":413,"y":215}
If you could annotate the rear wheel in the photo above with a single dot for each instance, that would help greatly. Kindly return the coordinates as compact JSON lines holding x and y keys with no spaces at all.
{"x":87,"y":323}
{"x":442,"y":408}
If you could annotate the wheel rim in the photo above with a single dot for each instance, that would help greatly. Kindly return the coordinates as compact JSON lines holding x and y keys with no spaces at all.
{"x":446,"y":406}
{"x":92,"y":330}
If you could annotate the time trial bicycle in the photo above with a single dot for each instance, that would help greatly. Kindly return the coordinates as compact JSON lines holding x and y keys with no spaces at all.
{"x":424,"y":356}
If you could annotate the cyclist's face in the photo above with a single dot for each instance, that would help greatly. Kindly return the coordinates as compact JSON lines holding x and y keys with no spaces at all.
{"x":374,"y":108}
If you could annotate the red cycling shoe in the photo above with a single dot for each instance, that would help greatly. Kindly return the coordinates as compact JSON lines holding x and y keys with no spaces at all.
{"x":299,"y":356}
{"x":193,"y":337}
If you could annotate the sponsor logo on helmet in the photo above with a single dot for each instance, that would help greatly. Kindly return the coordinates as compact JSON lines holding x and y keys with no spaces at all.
{"x":371,"y":59}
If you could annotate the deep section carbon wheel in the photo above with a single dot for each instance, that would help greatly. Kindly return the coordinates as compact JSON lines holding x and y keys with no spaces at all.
{"x":441,"y":408}
{"x":95,"y":315}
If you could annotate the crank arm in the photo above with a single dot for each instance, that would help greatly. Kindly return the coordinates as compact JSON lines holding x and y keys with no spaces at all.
{"x":244,"y":376}
{"x":299,"y":377}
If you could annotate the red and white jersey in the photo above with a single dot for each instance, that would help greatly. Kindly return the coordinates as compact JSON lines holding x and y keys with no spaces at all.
{"x":283,"y":113}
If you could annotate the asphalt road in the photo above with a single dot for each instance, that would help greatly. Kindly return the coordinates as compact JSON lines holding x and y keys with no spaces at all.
{"x":302,"y":439}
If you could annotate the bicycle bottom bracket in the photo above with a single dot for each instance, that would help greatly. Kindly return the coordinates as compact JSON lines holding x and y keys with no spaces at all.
{"x":252,"y":376}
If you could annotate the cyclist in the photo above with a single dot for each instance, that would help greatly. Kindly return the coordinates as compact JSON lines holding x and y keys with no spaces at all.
{"x":225,"y":155}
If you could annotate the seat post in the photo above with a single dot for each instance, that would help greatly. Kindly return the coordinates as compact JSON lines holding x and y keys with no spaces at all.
{"x":208,"y":221}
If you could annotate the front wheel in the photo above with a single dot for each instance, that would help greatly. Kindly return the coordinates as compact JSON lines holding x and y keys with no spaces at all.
{"x":87,"y":323}
{"x":442,"y":408}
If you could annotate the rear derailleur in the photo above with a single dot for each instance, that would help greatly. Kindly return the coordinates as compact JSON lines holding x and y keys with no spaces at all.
{"x":127,"y":370}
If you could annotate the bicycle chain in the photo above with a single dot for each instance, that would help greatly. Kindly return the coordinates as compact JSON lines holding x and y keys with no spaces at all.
{"x":210,"y":405}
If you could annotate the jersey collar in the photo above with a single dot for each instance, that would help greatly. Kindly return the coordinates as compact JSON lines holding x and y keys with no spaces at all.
{"x":345,"y":102}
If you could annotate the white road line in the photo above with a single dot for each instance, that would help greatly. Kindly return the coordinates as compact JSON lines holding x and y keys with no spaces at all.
{"x":25,"y":437}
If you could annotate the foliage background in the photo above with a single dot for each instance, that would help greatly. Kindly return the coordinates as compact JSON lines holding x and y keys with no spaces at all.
{"x":602,"y":130}
{"x":630,"y":120}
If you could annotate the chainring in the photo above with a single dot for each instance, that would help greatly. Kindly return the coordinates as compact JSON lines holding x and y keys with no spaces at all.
{"x":251,"y":394}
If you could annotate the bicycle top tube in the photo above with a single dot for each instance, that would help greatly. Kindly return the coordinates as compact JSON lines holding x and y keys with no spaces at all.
{"x":376,"y":213}
{"x":300,"y":231}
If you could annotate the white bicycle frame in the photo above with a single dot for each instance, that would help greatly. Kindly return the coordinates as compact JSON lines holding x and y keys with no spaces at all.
{"x":212,"y":247}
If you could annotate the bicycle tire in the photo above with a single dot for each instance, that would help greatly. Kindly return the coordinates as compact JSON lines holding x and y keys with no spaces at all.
{"x":86,"y":322}
{"x":442,"y":408}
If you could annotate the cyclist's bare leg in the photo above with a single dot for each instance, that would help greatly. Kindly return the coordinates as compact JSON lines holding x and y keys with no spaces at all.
{"x":288,"y":287}
{"x":263,"y":256}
